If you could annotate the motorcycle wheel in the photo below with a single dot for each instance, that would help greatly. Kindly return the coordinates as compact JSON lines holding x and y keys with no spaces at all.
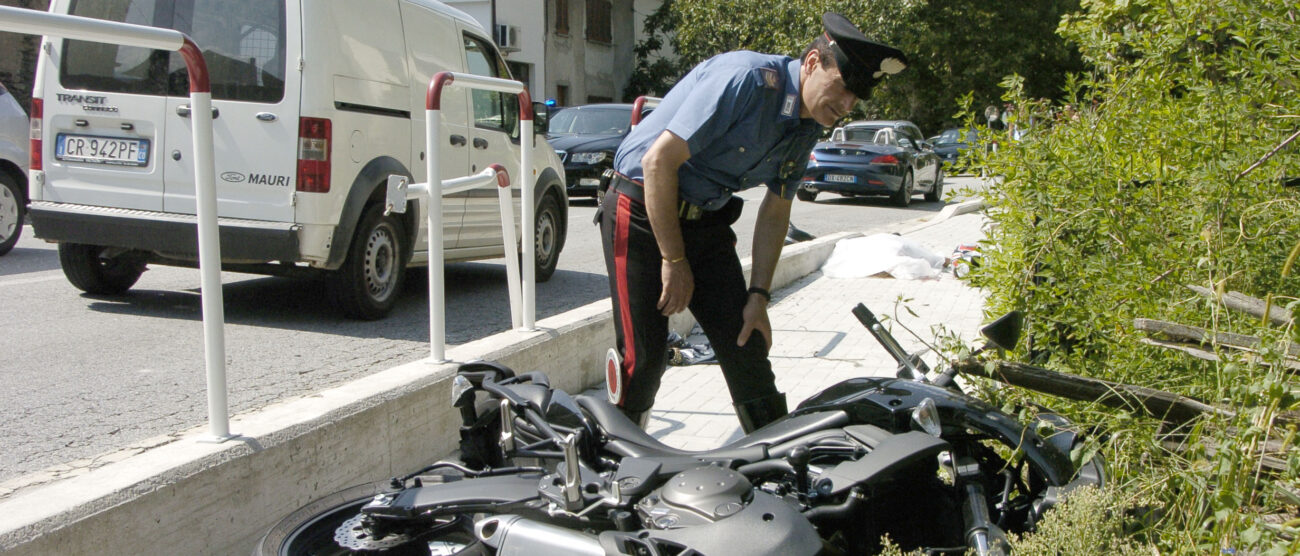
{"x":311,"y":529}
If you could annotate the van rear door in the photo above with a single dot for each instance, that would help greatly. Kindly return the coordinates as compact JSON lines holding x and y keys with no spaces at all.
{"x":103,"y":117}
{"x":255,"y":97}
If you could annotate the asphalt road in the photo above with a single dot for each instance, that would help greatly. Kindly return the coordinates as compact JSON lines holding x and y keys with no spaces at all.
{"x":87,"y":375}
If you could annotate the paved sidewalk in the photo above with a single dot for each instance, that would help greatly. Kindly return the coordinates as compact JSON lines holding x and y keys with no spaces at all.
{"x":818,"y":342}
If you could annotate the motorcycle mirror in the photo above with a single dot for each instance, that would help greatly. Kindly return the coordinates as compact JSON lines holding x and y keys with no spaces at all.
{"x":926,"y":415}
{"x":1004,"y":332}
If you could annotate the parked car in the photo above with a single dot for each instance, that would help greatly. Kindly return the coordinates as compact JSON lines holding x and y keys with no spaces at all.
{"x":586,"y":138}
{"x":315,"y":103}
{"x":867,"y":158}
{"x":14,"y":133}
{"x":951,"y":143}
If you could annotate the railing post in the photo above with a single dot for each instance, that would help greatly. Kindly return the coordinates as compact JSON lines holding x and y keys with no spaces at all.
{"x":437,"y":294}
{"x":521,"y":318}
{"x":205,"y":196}
{"x":529,"y":208}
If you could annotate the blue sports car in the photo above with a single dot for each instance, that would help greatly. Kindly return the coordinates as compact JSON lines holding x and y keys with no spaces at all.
{"x":874,"y":158}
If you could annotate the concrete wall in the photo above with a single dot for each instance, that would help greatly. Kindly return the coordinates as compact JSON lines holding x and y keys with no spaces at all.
{"x":189,"y":497}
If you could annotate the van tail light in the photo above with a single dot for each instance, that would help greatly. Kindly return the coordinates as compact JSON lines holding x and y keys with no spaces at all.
{"x":313,"y":155}
{"x":885,"y":159}
{"x":38,"y":113}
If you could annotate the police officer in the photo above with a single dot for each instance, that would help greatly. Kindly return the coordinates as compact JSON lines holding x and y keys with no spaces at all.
{"x":736,"y":121}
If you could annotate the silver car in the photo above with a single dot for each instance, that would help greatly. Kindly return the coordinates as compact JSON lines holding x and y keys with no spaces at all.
{"x":14,"y":141}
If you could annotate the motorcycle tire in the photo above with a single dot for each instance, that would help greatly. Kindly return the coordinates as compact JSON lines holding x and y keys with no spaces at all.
{"x":310,"y":530}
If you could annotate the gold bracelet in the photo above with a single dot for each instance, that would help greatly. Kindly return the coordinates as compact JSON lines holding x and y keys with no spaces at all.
{"x":675,"y":261}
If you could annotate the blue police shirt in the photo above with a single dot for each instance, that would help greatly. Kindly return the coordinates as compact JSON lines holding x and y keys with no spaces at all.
{"x":739,"y":114}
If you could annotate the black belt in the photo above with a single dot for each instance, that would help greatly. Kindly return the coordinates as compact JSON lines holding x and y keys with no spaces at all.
{"x":630,"y":188}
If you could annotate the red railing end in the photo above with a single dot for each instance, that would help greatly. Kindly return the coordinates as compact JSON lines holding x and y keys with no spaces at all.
{"x":525,"y":105}
{"x":198,"y":68}
{"x":433,"y":100}
{"x":503,"y":177}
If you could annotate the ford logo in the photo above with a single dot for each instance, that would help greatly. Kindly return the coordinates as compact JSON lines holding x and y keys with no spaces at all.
{"x":232,"y":177}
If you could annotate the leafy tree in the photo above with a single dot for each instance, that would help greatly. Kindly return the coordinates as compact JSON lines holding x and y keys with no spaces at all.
{"x":955,"y":46}
{"x":1165,"y":168}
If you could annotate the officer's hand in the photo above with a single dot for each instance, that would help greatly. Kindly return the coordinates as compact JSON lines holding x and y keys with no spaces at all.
{"x":755,"y":315}
{"x":679,"y":284}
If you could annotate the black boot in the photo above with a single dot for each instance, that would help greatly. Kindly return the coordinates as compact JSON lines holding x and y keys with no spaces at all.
{"x":757,"y":413}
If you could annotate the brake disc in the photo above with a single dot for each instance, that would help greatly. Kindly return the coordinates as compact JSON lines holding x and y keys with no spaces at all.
{"x":355,"y":534}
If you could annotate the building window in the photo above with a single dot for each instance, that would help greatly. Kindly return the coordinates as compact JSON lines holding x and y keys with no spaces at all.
{"x":561,"y":95}
{"x":599,"y":28}
{"x":562,"y":17}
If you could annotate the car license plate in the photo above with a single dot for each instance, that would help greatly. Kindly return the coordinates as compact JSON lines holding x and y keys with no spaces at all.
{"x":841,"y":178}
{"x":102,"y":150}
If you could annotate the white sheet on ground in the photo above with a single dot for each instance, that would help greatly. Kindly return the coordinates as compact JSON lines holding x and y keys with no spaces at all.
{"x":890,"y":254}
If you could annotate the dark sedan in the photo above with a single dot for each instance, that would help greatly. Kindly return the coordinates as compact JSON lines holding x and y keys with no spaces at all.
{"x":586,"y":138}
{"x":874,"y":158}
{"x":950,"y":144}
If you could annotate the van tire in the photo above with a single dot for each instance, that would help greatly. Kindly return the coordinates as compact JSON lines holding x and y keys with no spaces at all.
{"x":13,"y":209}
{"x":368,"y":284}
{"x":548,"y":236}
{"x":92,"y":272}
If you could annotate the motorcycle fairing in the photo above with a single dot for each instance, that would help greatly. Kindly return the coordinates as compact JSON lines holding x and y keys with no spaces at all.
{"x":888,"y":403}
{"x":893,"y":454}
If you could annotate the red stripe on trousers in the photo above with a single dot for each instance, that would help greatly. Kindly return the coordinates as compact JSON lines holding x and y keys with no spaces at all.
{"x":621,"y":226}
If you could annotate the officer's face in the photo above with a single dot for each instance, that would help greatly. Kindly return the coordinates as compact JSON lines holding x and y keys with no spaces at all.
{"x":824,"y":95}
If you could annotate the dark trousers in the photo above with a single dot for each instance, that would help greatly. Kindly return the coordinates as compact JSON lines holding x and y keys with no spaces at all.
{"x":633,"y":261}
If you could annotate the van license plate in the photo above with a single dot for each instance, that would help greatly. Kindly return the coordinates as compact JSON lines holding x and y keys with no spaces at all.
{"x":841,"y":178}
{"x":102,"y":150}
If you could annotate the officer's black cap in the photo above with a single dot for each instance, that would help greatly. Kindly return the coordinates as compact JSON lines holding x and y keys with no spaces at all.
{"x":862,"y":61}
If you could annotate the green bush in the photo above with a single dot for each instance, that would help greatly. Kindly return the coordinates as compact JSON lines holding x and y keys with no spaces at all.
{"x":1163,"y":169}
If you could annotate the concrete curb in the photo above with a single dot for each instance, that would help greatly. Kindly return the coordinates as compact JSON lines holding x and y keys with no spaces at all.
{"x":199,"y":498}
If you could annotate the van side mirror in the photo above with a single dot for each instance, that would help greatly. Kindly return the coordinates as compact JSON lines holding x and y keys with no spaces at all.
{"x":541,"y":118}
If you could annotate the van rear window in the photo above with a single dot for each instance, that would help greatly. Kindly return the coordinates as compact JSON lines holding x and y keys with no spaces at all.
{"x":242,"y":41}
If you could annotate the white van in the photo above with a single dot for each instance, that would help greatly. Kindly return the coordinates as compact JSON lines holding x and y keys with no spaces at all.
{"x":316,"y":103}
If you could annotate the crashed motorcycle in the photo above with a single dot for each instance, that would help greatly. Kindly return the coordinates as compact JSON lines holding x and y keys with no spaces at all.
{"x":540,"y":472}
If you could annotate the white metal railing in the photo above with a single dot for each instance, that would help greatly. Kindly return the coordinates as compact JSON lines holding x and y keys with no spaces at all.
{"x":34,"y":22}
{"x":399,"y":192}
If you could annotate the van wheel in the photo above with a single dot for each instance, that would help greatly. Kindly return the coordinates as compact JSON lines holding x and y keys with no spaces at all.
{"x":12,"y":212}
{"x":95,"y":269}
{"x":548,"y":236}
{"x":367,"y":285}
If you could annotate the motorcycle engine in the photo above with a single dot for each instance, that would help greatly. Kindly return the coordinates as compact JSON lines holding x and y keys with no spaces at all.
{"x":717,"y":511}
{"x":696,"y":497}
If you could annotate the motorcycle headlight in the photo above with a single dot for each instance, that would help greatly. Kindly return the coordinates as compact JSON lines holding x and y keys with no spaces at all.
{"x":588,"y":158}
